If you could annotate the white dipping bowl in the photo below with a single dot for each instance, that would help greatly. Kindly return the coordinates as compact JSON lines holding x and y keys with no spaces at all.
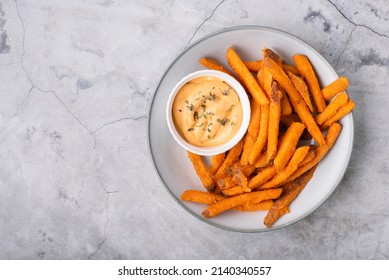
{"x":214,"y":150}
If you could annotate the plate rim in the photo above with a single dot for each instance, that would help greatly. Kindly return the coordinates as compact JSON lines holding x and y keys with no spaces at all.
{"x":150,"y":152}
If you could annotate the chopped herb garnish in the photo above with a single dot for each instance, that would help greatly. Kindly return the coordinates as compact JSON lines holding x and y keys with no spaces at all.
{"x":209,"y":136}
{"x":179,"y":110}
{"x":205,"y":116}
{"x":232,"y":123}
{"x":226,"y":92}
{"x":190,"y":129}
{"x":189,"y":107}
{"x":223,"y":122}
{"x":186,"y":102}
{"x":196,"y":115}
{"x":200,"y":125}
{"x":229,"y":171}
{"x":208,"y":130}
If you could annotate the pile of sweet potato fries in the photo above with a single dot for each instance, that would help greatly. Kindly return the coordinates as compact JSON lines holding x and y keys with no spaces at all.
{"x":272,"y":164}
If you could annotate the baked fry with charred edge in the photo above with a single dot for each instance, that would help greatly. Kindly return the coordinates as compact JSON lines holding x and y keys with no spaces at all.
{"x":290,"y":191}
{"x":274,"y":119}
{"x":305,"y":68}
{"x":302,"y":88}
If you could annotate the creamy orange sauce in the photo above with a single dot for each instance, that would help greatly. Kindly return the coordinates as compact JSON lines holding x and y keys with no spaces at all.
{"x":207,"y":112}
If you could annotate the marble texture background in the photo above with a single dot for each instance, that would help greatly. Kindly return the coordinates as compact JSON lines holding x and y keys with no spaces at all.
{"x":76,"y":81}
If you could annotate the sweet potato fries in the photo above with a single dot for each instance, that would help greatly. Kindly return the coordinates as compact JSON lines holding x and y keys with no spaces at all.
{"x":273,"y":163}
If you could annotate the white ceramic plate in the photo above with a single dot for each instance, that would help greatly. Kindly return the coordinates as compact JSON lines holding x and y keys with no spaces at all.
{"x":174,"y":167}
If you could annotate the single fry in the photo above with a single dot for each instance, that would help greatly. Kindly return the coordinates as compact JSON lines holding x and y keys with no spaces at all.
{"x":214,"y":65}
{"x":305,"y":68}
{"x":344,"y":110}
{"x":228,"y":203}
{"x":201,"y":197}
{"x":216,"y":161}
{"x":231,"y":158}
{"x":260,"y":206}
{"x":274,"y":120}
{"x":339,"y":101}
{"x":210,"y":198}
{"x":288,"y":145}
{"x":291,"y":191}
{"x":247,"y":78}
{"x":262,"y":136}
{"x":321,"y":151}
{"x":263,"y":176}
{"x":253,"y":66}
{"x":334,"y":88}
{"x":302,"y":88}
{"x":292,"y":166}
{"x":202,"y":171}
{"x":298,"y":104}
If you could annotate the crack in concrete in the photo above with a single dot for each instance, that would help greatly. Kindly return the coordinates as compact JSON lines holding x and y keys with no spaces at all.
{"x":345,"y":46}
{"x":119,"y":120}
{"x":105,"y":225}
{"x":208,"y":18}
{"x":357,"y":24}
